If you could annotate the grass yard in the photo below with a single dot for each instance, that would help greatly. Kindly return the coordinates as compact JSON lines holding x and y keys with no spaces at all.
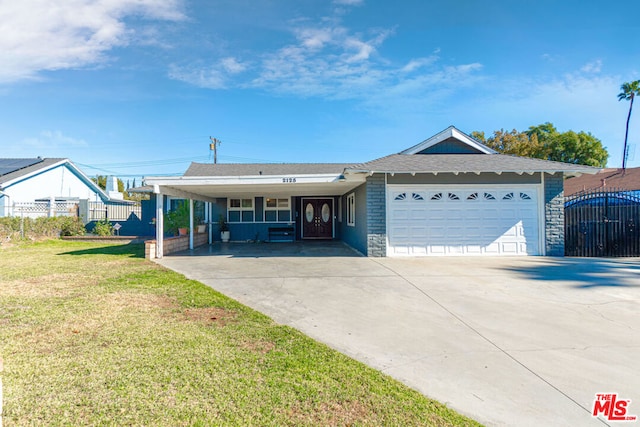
{"x":93,"y":334}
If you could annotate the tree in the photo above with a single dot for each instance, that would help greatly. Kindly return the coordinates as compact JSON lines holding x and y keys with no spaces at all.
{"x":629,"y":92}
{"x":514,"y":142}
{"x":580,"y":148}
{"x":545,"y":142}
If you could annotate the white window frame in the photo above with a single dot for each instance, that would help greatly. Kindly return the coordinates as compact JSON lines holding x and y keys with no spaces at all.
{"x":351,"y":210}
{"x":276,"y":209}
{"x":241,"y":209}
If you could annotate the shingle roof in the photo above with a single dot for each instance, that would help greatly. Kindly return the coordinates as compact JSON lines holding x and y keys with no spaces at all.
{"x":628,"y":180}
{"x":466,"y":163}
{"x":44,"y":163}
{"x":247,"y":169}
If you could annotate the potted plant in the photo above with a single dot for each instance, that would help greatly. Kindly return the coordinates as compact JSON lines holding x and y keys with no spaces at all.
{"x":225,"y":234}
{"x":177,"y":220}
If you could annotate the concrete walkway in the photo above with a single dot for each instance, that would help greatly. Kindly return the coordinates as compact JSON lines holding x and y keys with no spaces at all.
{"x":506,"y":341}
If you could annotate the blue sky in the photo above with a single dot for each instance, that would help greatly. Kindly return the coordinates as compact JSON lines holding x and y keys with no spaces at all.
{"x":136,"y":87}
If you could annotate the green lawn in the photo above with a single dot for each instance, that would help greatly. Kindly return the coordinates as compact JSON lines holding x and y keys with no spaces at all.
{"x":93,"y":334}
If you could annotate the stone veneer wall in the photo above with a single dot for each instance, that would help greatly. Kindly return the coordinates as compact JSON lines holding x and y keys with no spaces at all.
{"x":175,"y":244}
{"x":376,"y":216}
{"x":554,"y":214}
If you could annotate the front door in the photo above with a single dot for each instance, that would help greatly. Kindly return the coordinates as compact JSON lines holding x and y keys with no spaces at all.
{"x":317,"y":218}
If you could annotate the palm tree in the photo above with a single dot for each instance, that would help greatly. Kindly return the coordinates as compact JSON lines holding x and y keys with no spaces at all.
{"x":629,"y":91}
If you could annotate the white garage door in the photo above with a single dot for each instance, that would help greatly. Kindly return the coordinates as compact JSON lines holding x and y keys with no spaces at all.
{"x":469,"y":220}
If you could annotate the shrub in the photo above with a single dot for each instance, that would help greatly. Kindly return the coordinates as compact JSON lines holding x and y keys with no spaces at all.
{"x":72,"y":226}
{"x":13,"y":228}
{"x":103,"y":228}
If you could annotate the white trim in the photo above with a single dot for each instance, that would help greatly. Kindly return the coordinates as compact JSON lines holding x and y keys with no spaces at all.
{"x":351,"y":210}
{"x":246,"y":180}
{"x":276,"y":209}
{"x":242,"y":209}
{"x":386,"y":215}
{"x":450,"y":132}
{"x":542,"y":217}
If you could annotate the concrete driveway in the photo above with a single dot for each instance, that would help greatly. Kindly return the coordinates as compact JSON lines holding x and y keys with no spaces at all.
{"x":506,"y":341}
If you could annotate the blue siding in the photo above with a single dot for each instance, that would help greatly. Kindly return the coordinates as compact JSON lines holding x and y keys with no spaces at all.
{"x":355,"y":237}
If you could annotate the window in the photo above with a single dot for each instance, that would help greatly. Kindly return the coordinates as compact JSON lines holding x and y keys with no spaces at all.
{"x":277,"y":210}
{"x":351,"y":209}
{"x":240,"y":210}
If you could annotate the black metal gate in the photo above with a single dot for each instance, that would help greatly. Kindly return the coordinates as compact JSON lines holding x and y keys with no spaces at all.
{"x":602,"y":223}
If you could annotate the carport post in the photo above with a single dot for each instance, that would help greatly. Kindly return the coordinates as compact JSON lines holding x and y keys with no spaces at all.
{"x":159,"y":221}
{"x":191,"y":224}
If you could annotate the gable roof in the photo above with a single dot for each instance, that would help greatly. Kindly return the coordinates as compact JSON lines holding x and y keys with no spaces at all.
{"x":618,"y":179}
{"x":26,"y":167}
{"x":448,"y":134}
{"x":43,"y":165}
{"x":465,"y":163}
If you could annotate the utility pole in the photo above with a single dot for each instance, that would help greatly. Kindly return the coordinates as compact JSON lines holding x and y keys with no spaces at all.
{"x":214,"y":146}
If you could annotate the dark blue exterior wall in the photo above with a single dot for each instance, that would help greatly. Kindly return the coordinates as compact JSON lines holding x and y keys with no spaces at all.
{"x":355,"y":237}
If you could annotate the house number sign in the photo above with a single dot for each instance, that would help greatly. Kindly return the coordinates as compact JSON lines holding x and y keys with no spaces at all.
{"x":288,"y":180}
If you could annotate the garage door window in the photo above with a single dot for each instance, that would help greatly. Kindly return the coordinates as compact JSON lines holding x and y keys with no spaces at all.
{"x":481,"y":196}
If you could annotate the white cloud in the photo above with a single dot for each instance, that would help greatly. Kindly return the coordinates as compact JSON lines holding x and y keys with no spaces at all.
{"x":327,"y":60}
{"x":417,"y":63}
{"x":41,"y":35}
{"x":592,"y":67}
{"x":214,"y":76}
{"x":231,"y":65}
{"x":53,"y":140}
{"x":349,"y":2}
{"x":205,"y":77}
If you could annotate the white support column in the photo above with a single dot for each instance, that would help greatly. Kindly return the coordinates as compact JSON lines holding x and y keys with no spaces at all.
{"x":159,"y":222}
{"x":191,"y":224}
{"x":52,"y":206}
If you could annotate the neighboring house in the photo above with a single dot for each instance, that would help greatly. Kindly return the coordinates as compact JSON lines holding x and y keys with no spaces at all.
{"x":602,"y":213}
{"x":52,"y":187}
{"x":29,"y":181}
{"x":448,"y":195}
{"x":607,"y":180}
